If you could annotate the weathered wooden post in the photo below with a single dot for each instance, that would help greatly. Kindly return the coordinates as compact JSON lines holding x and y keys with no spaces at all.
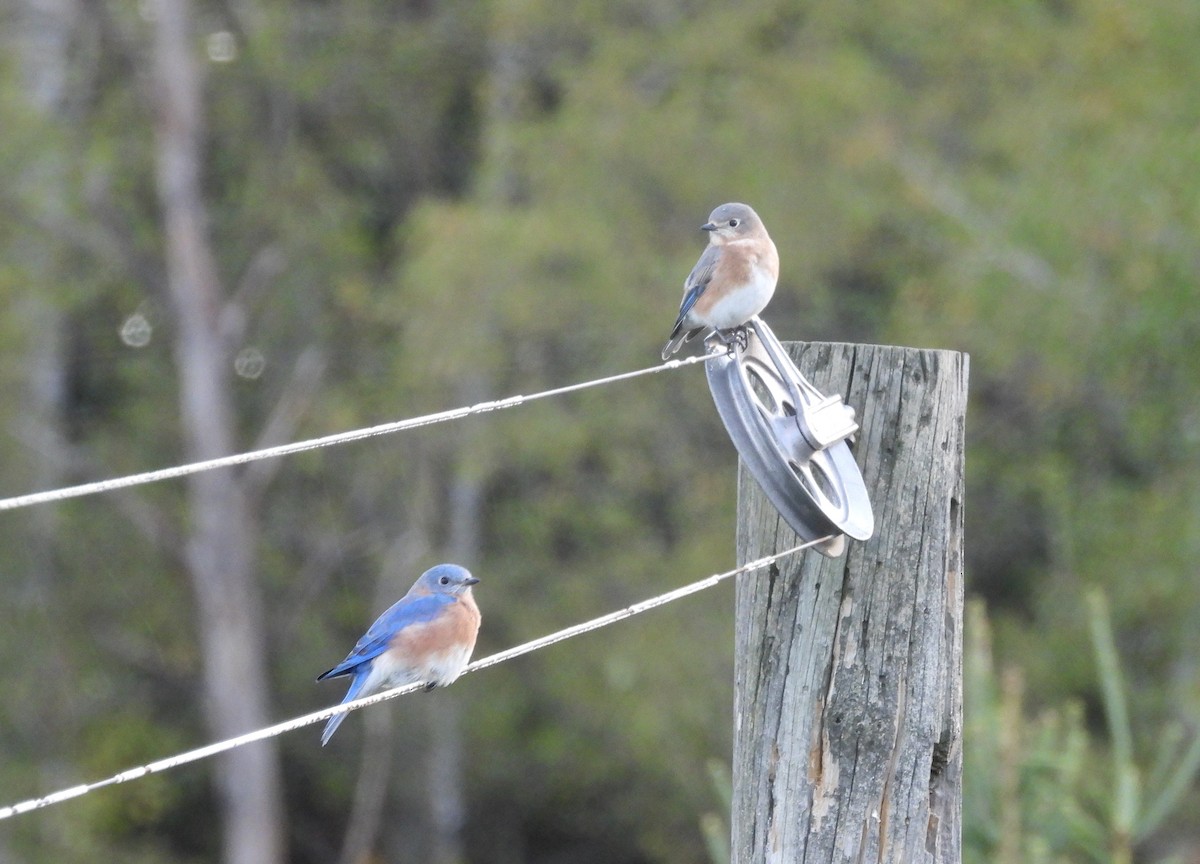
{"x":848,"y":693}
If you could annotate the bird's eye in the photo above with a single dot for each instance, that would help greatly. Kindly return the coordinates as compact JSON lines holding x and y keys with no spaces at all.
{"x":445,"y":580}
{"x":733,"y":223}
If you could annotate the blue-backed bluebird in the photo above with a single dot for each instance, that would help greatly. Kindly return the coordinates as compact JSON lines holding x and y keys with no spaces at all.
{"x":733,"y":280}
{"x":427,"y":636}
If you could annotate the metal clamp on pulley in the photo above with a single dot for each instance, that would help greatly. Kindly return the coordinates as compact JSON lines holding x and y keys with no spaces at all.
{"x":792,"y":438}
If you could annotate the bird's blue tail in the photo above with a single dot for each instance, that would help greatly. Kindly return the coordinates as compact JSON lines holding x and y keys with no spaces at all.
{"x":335,"y":721}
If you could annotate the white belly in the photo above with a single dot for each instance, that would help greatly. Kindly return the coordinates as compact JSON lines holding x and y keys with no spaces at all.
{"x":740,"y":306}
{"x":386,"y":673}
{"x":440,"y":668}
{"x":444,"y":667}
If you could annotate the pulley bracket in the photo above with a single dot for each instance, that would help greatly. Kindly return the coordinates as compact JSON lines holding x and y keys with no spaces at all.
{"x":792,"y":438}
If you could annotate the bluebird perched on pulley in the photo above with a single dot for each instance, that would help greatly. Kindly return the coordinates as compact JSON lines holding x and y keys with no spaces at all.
{"x":733,"y":280}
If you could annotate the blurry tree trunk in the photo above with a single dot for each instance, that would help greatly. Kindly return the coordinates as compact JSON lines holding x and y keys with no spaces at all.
{"x":42,"y":38}
{"x":43,"y":35}
{"x":45,"y":28}
{"x":447,"y":799}
{"x":55,"y":716}
{"x":848,"y":690}
{"x":379,"y":744}
{"x":508,"y":74}
{"x":220,"y":549}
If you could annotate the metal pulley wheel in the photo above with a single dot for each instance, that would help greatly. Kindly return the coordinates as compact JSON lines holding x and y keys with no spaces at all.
{"x":791,"y":438}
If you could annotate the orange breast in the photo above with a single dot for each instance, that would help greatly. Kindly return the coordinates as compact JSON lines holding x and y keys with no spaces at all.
{"x":420,"y":645}
{"x":734,"y":270}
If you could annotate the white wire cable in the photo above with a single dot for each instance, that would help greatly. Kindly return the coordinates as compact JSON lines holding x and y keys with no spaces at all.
{"x":326,"y":713}
{"x":64,"y":493}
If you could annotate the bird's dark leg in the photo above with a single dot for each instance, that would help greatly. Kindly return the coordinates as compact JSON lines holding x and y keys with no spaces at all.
{"x":735,"y":336}
{"x":429,"y":685}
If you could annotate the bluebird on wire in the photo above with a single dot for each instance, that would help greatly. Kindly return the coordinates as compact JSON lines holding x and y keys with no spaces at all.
{"x":733,"y":280}
{"x":427,"y":636}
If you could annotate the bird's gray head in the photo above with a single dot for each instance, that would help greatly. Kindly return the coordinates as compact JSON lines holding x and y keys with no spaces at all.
{"x":445,"y":579}
{"x":731,"y":222}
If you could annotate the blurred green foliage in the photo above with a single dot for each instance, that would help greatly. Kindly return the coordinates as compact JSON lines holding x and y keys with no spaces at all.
{"x":1043,"y":789}
{"x":448,"y":201}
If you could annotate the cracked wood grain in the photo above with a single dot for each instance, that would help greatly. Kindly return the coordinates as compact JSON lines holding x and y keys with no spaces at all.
{"x":848,"y":689}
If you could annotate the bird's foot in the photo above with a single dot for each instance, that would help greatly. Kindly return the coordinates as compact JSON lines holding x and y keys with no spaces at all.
{"x":724,"y":341}
{"x":429,"y":685}
{"x":735,"y":337}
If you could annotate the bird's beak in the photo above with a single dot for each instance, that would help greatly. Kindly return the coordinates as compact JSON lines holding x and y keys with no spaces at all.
{"x":471,"y":580}
{"x":708,"y":226}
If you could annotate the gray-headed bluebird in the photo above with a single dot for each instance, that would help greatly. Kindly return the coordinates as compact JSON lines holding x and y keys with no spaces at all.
{"x":427,"y":636}
{"x":733,"y":280}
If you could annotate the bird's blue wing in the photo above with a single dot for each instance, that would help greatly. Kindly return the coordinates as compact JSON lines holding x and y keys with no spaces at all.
{"x":375,"y":641}
{"x":697,"y":281}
